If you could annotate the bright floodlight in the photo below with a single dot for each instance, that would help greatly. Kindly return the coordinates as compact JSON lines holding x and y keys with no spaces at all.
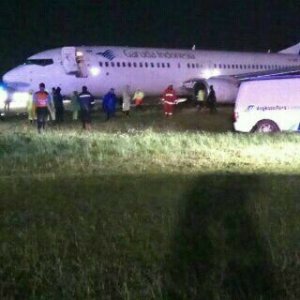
{"x":95,"y":71}
{"x":3,"y":96}
{"x":19,"y":99}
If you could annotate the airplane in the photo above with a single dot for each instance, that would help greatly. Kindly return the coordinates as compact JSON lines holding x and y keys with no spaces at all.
{"x":149,"y":69}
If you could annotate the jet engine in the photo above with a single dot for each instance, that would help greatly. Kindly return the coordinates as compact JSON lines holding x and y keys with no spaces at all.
{"x":226,"y":88}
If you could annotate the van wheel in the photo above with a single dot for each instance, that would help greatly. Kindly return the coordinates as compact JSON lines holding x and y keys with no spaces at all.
{"x":266,"y":126}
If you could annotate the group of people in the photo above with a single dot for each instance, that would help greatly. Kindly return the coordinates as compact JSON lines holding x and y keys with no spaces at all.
{"x":42,"y":105}
{"x":202,"y":101}
{"x":170,"y":100}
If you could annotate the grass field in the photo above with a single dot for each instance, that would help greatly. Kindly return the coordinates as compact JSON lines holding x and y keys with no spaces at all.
{"x":149,"y":208}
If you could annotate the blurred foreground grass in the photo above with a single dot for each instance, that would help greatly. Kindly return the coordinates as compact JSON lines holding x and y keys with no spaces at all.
{"x":148,"y":208}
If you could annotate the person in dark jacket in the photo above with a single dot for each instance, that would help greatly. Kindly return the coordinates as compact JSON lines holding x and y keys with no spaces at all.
{"x":59,"y":105}
{"x":109,"y":104}
{"x":85,"y":102}
{"x":212,"y":100}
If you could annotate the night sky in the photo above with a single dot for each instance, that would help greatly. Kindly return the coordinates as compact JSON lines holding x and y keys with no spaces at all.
{"x":30,"y":26}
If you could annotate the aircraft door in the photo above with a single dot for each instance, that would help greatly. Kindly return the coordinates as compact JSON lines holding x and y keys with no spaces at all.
{"x":69,"y":60}
{"x":81,"y":60}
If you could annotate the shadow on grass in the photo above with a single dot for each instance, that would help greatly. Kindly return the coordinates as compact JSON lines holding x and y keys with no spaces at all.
{"x":150,"y":237}
{"x":219,"y":251}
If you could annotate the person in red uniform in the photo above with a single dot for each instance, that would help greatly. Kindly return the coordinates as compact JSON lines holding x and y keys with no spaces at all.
{"x":169,"y":100}
{"x":41,"y":100}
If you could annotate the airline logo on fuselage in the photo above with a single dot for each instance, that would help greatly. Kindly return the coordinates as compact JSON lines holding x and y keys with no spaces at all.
{"x":109,"y":54}
{"x":158,"y":54}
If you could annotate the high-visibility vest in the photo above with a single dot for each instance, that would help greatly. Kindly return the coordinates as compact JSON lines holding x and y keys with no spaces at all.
{"x":41,"y":99}
{"x":169,"y":97}
{"x":138,"y":97}
{"x":201,"y":95}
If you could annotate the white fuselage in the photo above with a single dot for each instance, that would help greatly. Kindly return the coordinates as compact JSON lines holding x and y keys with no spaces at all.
{"x":149,"y":69}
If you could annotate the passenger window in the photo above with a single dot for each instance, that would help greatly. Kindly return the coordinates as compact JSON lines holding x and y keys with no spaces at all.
{"x":118,"y":65}
{"x":152,"y":65}
{"x":146,"y":64}
{"x":168,"y":65}
{"x":158,"y":65}
{"x":106,"y":64}
{"x":129,"y":64}
{"x":141,"y":64}
{"x":100,"y":64}
{"x":188,"y":65}
{"x":162,"y":65}
{"x":123,"y":64}
{"x":112,"y":64}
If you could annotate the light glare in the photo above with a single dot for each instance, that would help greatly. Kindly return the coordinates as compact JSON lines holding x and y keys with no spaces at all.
{"x":95,"y":71}
{"x":3,"y":96}
{"x":208,"y":73}
{"x":20,"y":97}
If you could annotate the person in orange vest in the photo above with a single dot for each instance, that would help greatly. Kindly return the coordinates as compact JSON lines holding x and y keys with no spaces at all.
{"x":41,"y":100}
{"x":138,"y":98}
{"x":169,"y":100}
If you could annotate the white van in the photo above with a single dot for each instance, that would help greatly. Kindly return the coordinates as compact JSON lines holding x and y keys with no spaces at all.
{"x":268,"y":105}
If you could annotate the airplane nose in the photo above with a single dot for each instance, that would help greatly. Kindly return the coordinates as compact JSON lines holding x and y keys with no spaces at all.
{"x":7,"y":77}
{"x":11,"y":76}
{"x":15,"y":79}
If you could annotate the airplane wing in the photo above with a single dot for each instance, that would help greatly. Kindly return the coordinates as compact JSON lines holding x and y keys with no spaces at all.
{"x":267,"y":73}
{"x":238,"y":78}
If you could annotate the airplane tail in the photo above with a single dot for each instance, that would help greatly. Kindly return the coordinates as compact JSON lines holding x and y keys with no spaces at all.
{"x":292,"y":50}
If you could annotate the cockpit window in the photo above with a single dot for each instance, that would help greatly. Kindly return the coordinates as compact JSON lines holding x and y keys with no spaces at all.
{"x":40,"y":62}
